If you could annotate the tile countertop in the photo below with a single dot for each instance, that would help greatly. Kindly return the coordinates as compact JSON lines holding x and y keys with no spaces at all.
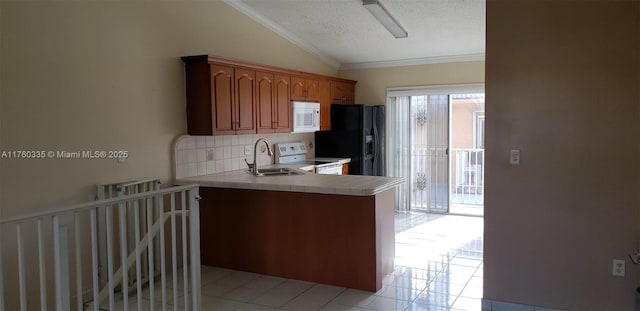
{"x":339,"y":160}
{"x":308,"y":182}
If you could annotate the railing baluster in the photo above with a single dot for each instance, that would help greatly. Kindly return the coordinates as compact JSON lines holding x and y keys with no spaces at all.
{"x":150,"y":253}
{"x":102,"y":249}
{"x":94,"y":258}
{"x":136,"y":220}
{"x":57,"y":264}
{"x":21,"y":280}
{"x":76,"y":224}
{"x":130,"y":228}
{"x":128,"y":190}
{"x":468,"y":171}
{"x":185,"y":264}
{"x":482,"y":169}
{"x":163,"y":276}
{"x":194,"y":227}
{"x":1,"y":280}
{"x":61,"y":264}
{"x":174,"y":256}
{"x":110,"y":255}
{"x":123,"y":255}
{"x":143,"y":225}
{"x":43,"y":273}
{"x":153,"y":186}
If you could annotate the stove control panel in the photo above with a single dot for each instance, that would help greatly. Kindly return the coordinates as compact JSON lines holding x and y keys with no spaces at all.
{"x":291,"y":149}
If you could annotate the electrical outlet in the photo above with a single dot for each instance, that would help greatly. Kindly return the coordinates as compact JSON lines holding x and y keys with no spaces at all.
{"x":515,"y":157}
{"x":618,"y":267}
{"x":247,"y":149}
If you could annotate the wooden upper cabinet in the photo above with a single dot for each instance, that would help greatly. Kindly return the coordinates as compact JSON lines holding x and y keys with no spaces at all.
{"x":282,"y":103}
{"x":334,"y":92}
{"x":342,"y":92}
{"x":245,"y":101}
{"x":313,"y":89}
{"x":305,"y":89}
{"x":232,"y":101}
{"x":226,"y":96}
{"x":222,"y":99}
{"x":274,"y":103}
{"x":325,"y":105}
{"x":264,"y":104}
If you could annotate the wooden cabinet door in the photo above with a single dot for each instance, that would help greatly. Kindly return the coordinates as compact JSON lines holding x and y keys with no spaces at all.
{"x":245,"y":101}
{"x":298,"y":89}
{"x":222,"y":91}
{"x":325,"y":105}
{"x":350,"y":94}
{"x":313,"y":89}
{"x":282,"y":104}
{"x":342,"y":92}
{"x":305,"y":89}
{"x":265,"y":101}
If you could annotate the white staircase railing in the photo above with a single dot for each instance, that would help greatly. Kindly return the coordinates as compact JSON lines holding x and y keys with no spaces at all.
{"x":70,"y":237}
{"x":111,"y":190}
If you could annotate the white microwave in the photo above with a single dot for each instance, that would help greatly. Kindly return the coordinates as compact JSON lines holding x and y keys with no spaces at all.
{"x":306,"y":116}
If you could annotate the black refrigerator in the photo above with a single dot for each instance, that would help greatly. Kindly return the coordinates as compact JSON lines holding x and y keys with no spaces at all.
{"x":357,"y":132}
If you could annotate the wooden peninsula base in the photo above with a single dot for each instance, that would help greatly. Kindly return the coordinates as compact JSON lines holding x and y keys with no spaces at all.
{"x":341,"y":240}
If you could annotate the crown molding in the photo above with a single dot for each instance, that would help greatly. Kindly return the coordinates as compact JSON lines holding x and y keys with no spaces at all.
{"x":415,"y":61}
{"x":253,"y":14}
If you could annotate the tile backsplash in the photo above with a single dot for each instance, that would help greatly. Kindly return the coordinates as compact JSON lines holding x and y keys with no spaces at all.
{"x":202,"y":155}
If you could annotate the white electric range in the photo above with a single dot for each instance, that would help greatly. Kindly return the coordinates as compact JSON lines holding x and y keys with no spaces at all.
{"x":296,"y":153}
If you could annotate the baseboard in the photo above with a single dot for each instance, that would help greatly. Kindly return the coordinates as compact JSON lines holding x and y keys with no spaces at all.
{"x":494,"y":305}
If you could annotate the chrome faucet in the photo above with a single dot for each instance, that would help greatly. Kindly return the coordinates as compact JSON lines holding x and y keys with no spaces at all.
{"x":254,"y":167}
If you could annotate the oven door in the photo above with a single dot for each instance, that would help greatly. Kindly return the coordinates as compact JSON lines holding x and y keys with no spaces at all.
{"x":331,"y":169}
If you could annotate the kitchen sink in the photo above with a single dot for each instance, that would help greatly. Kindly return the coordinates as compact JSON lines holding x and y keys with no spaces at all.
{"x":283,"y":171}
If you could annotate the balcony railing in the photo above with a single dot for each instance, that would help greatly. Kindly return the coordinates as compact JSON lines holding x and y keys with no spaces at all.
{"x":437,"y":185}
{"x":467,"y":176}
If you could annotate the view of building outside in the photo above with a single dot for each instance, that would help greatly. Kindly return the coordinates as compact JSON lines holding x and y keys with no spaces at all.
{"x":447,"y":153}
{"x":467,"y":153}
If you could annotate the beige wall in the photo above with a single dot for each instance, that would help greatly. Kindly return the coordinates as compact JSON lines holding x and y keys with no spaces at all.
{"x":373,"y":83}
{"x":107,"y":75}
{"x":562,"y":85}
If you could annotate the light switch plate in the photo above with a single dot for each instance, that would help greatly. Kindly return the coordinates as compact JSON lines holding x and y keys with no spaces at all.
{"x":247,"y":149}
{"x":515,"y":157}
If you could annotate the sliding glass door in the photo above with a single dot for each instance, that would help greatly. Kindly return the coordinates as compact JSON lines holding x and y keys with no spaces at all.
{"x":423,"y":126}
{"x":430,"y":153}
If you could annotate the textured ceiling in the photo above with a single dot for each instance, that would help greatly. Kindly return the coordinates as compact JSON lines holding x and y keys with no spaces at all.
{"x":345,"y":34}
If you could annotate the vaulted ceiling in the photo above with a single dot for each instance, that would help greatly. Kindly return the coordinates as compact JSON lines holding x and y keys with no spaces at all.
{"x":344,"y":34}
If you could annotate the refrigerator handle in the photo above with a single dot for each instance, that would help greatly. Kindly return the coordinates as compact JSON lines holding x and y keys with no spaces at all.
{"x":375,"y":146}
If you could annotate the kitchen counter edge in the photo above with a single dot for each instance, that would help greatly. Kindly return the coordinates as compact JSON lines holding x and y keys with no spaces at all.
{"x":356,"y":185}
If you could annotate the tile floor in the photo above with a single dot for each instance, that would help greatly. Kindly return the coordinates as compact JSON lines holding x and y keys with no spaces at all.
{"x":438,"y":266}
